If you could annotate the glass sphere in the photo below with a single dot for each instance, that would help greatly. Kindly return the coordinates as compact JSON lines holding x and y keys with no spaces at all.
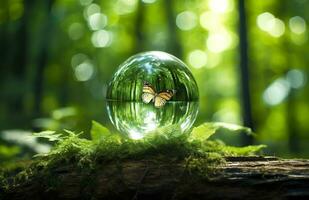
{"x":150,"y":91}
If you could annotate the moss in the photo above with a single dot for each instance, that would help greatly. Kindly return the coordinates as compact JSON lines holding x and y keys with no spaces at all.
{"x":198,"y":154}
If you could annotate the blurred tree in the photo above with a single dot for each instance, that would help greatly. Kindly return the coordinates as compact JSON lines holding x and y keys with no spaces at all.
{"x":173,"y":45}
{"x":42,"y":60}
{"x":244,"y":71}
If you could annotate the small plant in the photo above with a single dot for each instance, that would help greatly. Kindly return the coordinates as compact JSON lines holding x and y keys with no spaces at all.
{"x":195,"y":150}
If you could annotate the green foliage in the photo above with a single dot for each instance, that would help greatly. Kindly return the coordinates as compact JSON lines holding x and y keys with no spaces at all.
{"x":244,"y":151}
{"x":69,"y":148}
{"x":204,"y":131}
{"x":50,"y":135}
{"x":204,"y":166}
{"x":219,"y":147}
{"x":7,"y":152}
{"x":232,"y":128}
{"x":197,"y":153}
{"x":99,"y":132}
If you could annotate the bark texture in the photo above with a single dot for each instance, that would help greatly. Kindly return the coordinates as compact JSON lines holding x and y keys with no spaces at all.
{"x":240,"y":178}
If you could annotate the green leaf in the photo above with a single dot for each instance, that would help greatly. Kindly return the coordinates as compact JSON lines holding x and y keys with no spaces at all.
{"x":50,"y":135}
{"x":232,"y":128}
{"x":72,"y":133}
{"x":204,"y":131}
{"x":61,"y":113}
{"x":99,"y":132}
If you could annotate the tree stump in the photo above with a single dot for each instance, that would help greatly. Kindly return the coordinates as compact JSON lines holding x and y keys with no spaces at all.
{"x":240,"y":178}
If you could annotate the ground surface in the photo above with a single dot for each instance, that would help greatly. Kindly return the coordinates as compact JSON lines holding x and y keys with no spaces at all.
{"x":240,"y":178}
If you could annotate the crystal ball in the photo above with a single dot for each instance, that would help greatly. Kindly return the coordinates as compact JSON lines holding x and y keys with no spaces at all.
{"x":151,"y":91}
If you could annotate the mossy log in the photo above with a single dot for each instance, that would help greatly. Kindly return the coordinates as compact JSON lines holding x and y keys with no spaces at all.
{"x":240,"y":178}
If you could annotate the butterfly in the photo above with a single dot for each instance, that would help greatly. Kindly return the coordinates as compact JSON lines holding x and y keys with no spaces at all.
{"x":159,"y":99}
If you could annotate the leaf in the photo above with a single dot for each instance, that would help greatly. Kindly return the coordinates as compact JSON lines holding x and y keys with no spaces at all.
{"x":233,"y":128}
{"x":63,"y":113}
{"x":99,"y":132}
{"x":50,"y":135}
{"x":204,"y":131}
{"x":72,"y":133}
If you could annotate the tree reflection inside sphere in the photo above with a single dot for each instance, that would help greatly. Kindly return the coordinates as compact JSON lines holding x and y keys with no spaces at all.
{"x":174,"y":100}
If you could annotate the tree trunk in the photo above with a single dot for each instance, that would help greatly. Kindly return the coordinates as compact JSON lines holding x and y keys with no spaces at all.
{"x":244,"y":72}
{"x":239,"y":178}
{"x":42,"y":60}
{"x":174,"y":47}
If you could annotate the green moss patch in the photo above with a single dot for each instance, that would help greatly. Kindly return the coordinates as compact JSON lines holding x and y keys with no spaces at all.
{"x":197,"y":153}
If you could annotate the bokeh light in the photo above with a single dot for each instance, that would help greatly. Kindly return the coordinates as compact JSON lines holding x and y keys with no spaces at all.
{"x":186,"y":20}
{"x":297,"y":25}
{"x":274,"y":26}
{"x":296,"y":78}
{"x":85,"y":2}
{"x":220,"y":6}
{"x":84,"y":71}
{"x":197,"y":58}
{"x":149,"y":1}
{"x":268,"y":23}
{"x":264,"y":21}
{"x":76,"y":31}
{"x":97,"y":21}
{"x":101,"y":38}
{"x":219,"y":41}
{"x":123,"y":7}
{"x":91,"y":9}
{"x":210,"y":20}
{"x":276,"y":92}
{"x":277,"y":28}
{"x":78,"y":59}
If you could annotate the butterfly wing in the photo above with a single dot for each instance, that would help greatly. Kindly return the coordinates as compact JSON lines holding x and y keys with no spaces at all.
{"x":147,"y":88}
{"x":161,"y":98}
{"x":148,"y":93}
{"x":147,"y":97}
{"x":159,"y":102}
